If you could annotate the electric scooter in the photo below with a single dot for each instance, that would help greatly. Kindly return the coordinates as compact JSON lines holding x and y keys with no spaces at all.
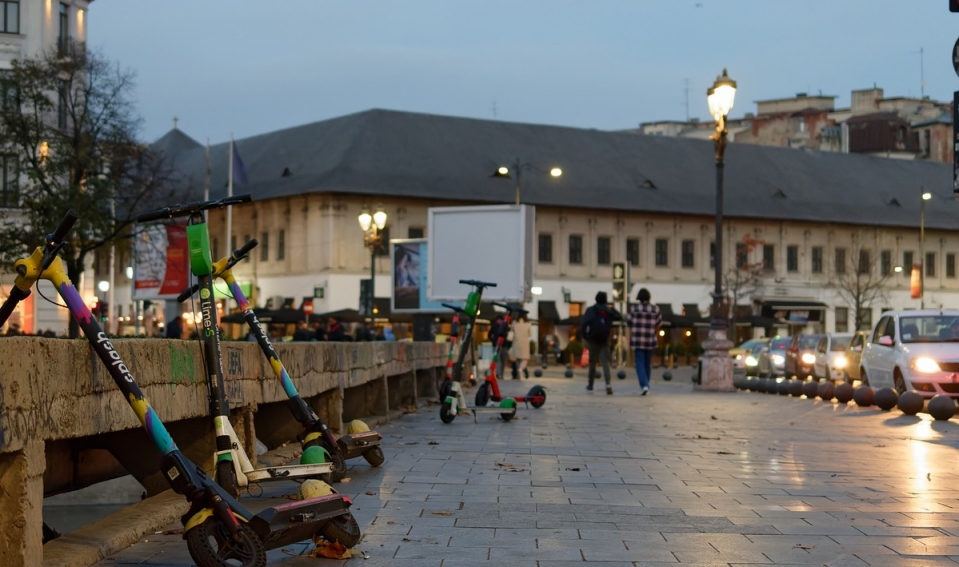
{"x":471,"y":310}
{"x":219,"y":531}
{"x":316,"y":433}
{"x":488,"y":391}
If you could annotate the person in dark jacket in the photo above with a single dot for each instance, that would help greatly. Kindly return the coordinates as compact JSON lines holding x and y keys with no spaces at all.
{"x":303,"y":332}
{"x":334,"y":331}
{"x":596,"y":329}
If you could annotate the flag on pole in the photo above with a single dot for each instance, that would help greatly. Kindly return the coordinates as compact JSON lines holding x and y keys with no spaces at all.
{"x":239,"y":168}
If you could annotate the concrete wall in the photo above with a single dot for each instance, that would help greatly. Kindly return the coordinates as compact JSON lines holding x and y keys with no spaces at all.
{"x":66,"y":425}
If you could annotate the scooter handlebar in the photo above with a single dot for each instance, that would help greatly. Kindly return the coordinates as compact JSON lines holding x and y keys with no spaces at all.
{"x":55,"y":238}
{"x":456,"y":308}
{"x":190,"y":208}
{"x":477,"y":283}
{"x":510,"y":308}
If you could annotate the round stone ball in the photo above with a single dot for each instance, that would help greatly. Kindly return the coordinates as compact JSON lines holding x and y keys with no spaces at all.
{"x":843,"y":393}
{"x":771,"y":386}
{"x":621,"y":374}
{"x":886,"y":398}
{"x":810,"y":389}
{"x":910,"y":403}
{"x":538,"y":373}
{"x":760,"y":386}
{"x":863,"y":396}
{"x":568,"y":373}
{"x":826,"y":391}
{"x":942,"y":407}
{"x":782,"y":388}
{"x":667,"y":376}
{"x":795,"y":388}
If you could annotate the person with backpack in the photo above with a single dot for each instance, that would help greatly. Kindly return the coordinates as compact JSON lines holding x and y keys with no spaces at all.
{"x":596,"y":330}
{"x":644,"y":320}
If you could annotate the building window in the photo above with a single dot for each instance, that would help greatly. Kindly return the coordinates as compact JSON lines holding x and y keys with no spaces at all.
{"x":930,"y":267}
{"x":842,"y":319}
{"x":575,"y":249}
{"x":769,"y":257}
{"x":792,"y":258}
{"x":64,"y":36}
{"x":603,"y":252}
{"x":9,"y":182}
{"x":742,"y":256}
{"x":632,"y":251}
{"x":10,"y":18}
{"x":281,"y":245}
{"x":866,"y":315}
{"x":885,"y":262}
{"x":662,"y":252}
{"x":712,"y":254}
{"x":415,"y":232}
{"x":864,"y":267}
{"x":689,"y":254}
{"x":265,"y":247}
{"x":62,"y":106}
{"x":950,"y":265}
{"x":907,"y":258}
{"x":545,"y":248}
{"x":817,"y":259}
{"x":8,"y":90}
{"x":840,"y":258}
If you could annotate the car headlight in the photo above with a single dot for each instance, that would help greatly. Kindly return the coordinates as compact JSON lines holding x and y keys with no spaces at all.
{"x":840,"y":362}
{"x":778,"y":359}
{"x":925,"y":364}
{"x":739,"y":357}
{"x":808,"y":357}
{"x":751,"y":361}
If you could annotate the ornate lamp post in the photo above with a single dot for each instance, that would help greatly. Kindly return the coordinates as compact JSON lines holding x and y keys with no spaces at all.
{"x":518,"y":166}
{"x":922,"y":248}
{"x":717,"y":371}
{"x":372,"y":224}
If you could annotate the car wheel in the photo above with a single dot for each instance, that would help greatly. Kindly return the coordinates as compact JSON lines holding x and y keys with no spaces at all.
{"x":863,"y":377}
{"x":899,"y":382}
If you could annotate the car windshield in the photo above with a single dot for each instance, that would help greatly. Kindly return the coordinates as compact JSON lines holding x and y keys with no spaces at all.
{"x":779,"y":344}
{"x":749,"y":345}
{"x":809,"y":341}
{"x":839,"y":344}
{"x":929,"y":329}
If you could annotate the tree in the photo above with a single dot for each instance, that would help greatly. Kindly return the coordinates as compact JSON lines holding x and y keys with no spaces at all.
{"x":69,"y":124}
{"x":860,"y":283}
{"x":743,"y":278}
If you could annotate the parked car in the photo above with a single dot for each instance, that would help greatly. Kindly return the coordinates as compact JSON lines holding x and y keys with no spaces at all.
{"x":854,"y":356}
{"x":772,"y":362}
{"x":831,"y":357}
{"x":738,"y":354}
{"x":914,"y":350}
{"x":753,"y":359}
{"x":800,"y":356}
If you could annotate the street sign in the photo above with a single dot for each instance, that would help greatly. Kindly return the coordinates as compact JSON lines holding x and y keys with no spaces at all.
{"x":318,"y":292}
{"x":955,"y":57}
{"x":620,"y":282}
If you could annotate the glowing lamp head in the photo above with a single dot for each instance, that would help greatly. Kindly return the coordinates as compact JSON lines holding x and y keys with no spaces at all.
{"x":556,"y":172}
{"x":366,"y":220}
{"x":721,"y":96}
{"x":379,"y":217}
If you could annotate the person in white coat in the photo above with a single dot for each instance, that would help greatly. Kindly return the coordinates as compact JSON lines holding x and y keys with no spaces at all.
{"x":522,"y":330}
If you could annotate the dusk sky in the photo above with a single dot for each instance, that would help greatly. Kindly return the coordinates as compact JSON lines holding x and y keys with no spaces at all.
{"x":250,"y":67}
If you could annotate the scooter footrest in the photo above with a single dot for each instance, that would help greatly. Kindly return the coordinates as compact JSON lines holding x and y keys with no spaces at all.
{"x":289,"y":523}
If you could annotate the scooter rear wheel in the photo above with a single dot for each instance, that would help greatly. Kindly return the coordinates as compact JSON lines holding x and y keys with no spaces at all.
{"x":537,"y":392}
{"x":342,"y":529}
{"x":210,"y":545}
{"x":445,"y":415}
{"x":339,"y":466}
{"x":375,"y":456}
{"x":226,"y":478}
{"x":482,"y":395}
{"x":445,"y":389}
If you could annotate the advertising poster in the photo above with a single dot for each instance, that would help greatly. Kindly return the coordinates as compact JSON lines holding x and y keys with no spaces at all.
{"x":160,"y":268}
{"x":915,"y":282}
{"x":409,"y":259}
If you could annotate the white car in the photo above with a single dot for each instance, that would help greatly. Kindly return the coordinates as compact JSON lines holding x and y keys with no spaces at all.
{"x":831,"y":357}
{"x":914,"y":350}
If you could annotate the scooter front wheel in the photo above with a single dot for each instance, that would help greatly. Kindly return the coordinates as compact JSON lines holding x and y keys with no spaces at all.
{"x":339,"y":466}
{"x":538,"y":395}
{"x":482,"y":395}
{"x":211,"y":545}
{"x":445,"y":414}
{"x":226,"y":478}
{"x":342,"y":529}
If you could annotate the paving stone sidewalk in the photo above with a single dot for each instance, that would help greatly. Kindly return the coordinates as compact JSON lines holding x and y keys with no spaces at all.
{"x":676,"y":478}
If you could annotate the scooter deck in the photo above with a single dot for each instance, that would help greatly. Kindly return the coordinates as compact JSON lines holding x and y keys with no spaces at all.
{"x":289,"y":523}
{"x":289,"y":471}
{"x":354,"y":445}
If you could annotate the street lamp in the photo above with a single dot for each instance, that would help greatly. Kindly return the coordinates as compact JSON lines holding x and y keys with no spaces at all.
{"x":922,"y":248}
{"x":372,"y":225}
{"x":518,"y":166}
{"x":717,"y":372}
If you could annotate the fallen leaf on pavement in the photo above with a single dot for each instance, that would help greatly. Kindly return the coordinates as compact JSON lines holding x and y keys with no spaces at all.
{"x":370,"y":493}
{"x":433,"y":443}
{"x":390,"y":522}
{"x":442,"y":513}
{"x":173,"y":532}
{"x":801,"y":546}
{"x":724,"y":453}
{"x":713,"y":417}
{"x":346,"y":479}
{"x":576,"y":469}
{"x":329,"y":550}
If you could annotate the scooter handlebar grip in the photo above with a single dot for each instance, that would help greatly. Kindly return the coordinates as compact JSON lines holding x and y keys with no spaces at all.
{"x":185,"y":294}
{"x":66,"y":223}
{"x":478,"y":283}
{"x":15,"y":297}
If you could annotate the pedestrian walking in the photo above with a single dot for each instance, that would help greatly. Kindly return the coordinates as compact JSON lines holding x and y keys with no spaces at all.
{"x":597,"y":324}
{"x":644,"y":320}
{"x":522,"y":330}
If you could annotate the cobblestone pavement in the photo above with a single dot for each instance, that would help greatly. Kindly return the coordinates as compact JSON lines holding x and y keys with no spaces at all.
{"x":674,"y":478}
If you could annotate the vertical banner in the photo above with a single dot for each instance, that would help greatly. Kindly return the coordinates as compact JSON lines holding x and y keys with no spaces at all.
{"x":915,"y":282}
{"x":160,"y":262}
{"x":408,"y":260}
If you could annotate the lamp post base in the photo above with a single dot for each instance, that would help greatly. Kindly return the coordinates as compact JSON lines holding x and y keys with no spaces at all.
{"x":717,"y":373}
